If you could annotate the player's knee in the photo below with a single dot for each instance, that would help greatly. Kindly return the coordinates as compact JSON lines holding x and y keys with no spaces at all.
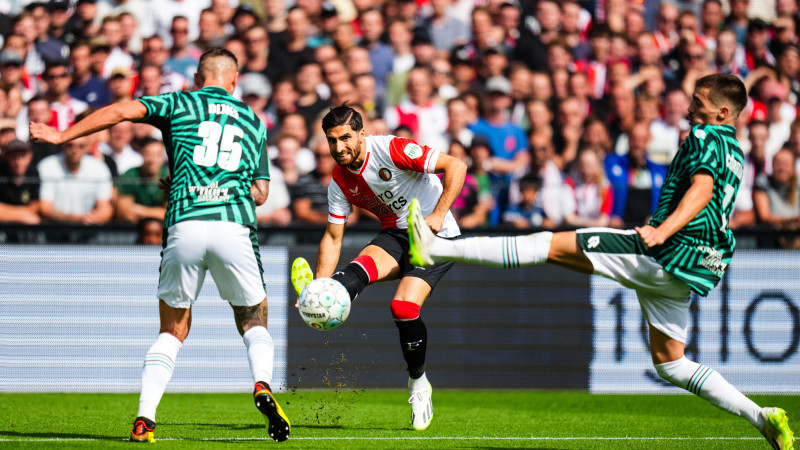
{"x":404,"y":311}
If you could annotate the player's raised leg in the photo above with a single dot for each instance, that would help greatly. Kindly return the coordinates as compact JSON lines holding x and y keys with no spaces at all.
{"x":426,"y":249}
{"x":159,"y":365}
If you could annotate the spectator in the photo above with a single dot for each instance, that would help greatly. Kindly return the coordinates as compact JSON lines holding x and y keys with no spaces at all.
{"x":458,"y":120}
{"x":366,"y":92}
{"x":275,"y":211}
{"x":380,"y":54}
{"x":99,"y":51}
{"x":12,"y":75}
{"x":539,"y":116}
{"x":49,"y":48}
{"x":622,"y":116}
{"x":569,"y":126}
{"x":111,"y":31}
{"x":59,"y":15}
{"x":591,"y":190}
{"x":150,"y":81}
{"x":666,"y":35}
{"x":75,"y":186}
{"x":139,"y":196}
{"x":595,"y":66}
{"x":119,"y":147}
{"x":295,"y":125}
{"x":86,"y":86}
{"x":520,"y":79}
{"x":19,"y":184}
{"x":309,"y":103}
{"x":471,"y":209}
{"x":445,"y":31}
{"x":531,"y":48}
{"x":665,"y":131}
{"x":595,"y":135}
{"x":400,"y":36}
{"x":776,"y":197}
{"x":150,"y":232}
{"x":211,"y":30}
{"x":442,"y":77}
{"x":636,"y":181}
{"x":82,"y":23}
{"x":120,"y":85}
{"x":154,"y":53}
{"x":427,"y":120}
{"x":296,"y":48}
{"x":555,"y":196}
{"x":256,"y":92}
{"x":711,"y":23}
{"x":64,"y":108}
{"x":528,"y":212}
{"x":37,"y":110}
{"x":780,"y":115}
{"x":259,"y":56}
{"x":183,"y":56}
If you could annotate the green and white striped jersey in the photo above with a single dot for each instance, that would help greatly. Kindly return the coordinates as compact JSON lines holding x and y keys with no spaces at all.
{"x":216,"y":146}
{"x":700,"y":252}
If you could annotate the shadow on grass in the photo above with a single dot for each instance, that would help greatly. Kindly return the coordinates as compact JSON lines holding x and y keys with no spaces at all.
{"x":15,"y":434}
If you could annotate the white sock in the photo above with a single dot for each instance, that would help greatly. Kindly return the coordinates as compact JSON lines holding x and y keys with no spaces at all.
{"x":505,"y":251}
{"x":159,"y":363}
{"x":419,"y":384}
{"x":260,"y":353}
{"x":706,"y":383}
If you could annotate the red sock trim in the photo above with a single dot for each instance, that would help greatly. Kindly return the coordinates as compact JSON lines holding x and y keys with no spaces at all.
{"x":404,"y":310}
{"x":368,"y":264}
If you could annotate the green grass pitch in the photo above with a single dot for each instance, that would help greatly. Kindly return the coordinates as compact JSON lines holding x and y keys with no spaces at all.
{"x":379,"y":419}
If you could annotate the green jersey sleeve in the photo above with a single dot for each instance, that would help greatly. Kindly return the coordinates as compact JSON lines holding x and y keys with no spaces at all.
{"x":159,"y":109}
{"x":262,"y":172}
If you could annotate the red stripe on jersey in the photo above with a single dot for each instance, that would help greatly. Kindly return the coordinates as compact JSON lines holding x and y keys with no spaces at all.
{"x":359,"y":193}
{"x":408,"y":155}
{"x":335,"y":216}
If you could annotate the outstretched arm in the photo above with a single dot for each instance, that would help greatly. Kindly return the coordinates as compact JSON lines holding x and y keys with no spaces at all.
{"x":99,"y":120}
{"x":696,"y":198}
{"x":454,"y":172}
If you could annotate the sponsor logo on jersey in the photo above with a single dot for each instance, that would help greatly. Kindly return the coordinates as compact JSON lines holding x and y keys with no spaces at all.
{"x":700,"y":134}
{"x":413,"y":151}
{"x":593,"y":242}
{"x":713,"y":260}
{"x":222,"y":108}
{"x":385,"y":174}
{"x":354,"y":190}
{"x":210,"y":193}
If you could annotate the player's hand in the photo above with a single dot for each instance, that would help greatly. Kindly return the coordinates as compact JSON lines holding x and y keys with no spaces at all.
{"x":40,"y":132}
{"x":164,"y":184}
{"x":434,"y":222}
{"x":651,"y":236}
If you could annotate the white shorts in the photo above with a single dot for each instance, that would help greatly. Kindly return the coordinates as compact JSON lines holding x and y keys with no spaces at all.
{"x":621,"y":255}
{"x":227,"y":249}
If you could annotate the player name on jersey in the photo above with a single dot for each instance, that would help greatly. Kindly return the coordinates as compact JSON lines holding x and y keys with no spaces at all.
{"x":221,"y":108}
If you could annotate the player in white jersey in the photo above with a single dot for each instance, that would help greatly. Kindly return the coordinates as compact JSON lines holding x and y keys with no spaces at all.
{"x":382,"y":174}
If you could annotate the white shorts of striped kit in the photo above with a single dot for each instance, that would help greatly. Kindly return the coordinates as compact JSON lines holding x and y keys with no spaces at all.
{"x":622,"y":256}
{"x":226,"y":249}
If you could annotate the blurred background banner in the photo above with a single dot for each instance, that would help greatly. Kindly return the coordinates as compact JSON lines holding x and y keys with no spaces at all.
{"x":80,"y":318}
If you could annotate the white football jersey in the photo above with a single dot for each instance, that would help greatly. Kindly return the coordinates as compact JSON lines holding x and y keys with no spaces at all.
{"x":395,"y":170}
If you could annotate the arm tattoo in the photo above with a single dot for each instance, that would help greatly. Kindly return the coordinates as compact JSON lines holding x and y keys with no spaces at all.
{"x":247,"y":317}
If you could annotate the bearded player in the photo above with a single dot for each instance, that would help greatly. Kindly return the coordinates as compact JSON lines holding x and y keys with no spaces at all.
{"x":382,"y":174}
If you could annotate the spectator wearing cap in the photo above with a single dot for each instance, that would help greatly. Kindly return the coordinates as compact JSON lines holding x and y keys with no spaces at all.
{"x":139,"y":196}
{"x":19,"y":184}
{"x":326,"y":23}
{"x":120,"y":85}
{"x":183,"y":56}
{"x":445,"y":30}
{"x":49,"y":48}
{"x":464,"y":62}
{"x":13,"y":75}
{"x":506,"y":139}
{"x":243,"y":18}
{"x":76,"y":187}
{"x":64,"y":108}
{"x":111,"y":31}
{"x":256,"y":92}
{"x":99,"y":50}
{"x":86,"y":85}
{"x":427,"y":120}
{"x":155,"y":53}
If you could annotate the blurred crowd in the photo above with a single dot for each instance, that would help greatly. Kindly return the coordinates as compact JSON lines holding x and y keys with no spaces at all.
{"x":567,"y":112}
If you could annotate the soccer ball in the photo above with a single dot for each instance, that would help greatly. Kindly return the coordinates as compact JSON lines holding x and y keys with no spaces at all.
{"x":324,"y":304}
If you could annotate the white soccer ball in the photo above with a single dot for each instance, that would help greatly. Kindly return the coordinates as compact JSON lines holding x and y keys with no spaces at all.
{"x":324,"y":304}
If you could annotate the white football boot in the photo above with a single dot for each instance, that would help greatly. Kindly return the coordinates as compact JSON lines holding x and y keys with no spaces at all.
{"x":421,"y":406}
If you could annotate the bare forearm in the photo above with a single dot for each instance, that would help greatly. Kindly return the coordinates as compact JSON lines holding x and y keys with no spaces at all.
{"x":329,"y":250}
{"x":695,"y":199}
{"x":452,"y":184}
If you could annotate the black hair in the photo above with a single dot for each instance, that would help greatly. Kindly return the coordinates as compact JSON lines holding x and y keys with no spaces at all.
{"x":215,"y":52}
{"x":342,"y":115}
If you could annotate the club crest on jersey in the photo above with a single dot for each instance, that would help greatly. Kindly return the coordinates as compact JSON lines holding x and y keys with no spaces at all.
{"x":385,"y":174}
{"x":413,"y":151}
{"x":700,"y":134}
{"x":593,"y":242}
